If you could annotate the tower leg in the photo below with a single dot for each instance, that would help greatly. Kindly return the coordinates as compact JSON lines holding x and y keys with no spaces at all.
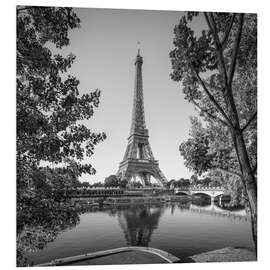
{"x":145,"y":179}
{"x":160,"y":177}
{"x":124,"y":175}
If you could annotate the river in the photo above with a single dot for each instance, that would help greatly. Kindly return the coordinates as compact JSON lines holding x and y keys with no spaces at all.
{"x":182,"y":230}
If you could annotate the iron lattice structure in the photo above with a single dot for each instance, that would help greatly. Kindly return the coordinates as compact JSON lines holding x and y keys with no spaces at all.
{"x":138,"y":160}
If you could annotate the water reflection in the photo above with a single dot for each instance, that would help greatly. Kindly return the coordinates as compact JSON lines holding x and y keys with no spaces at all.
{"x":182,"y":229}
{"x":41,"y":227}
{"x":138,"y":223}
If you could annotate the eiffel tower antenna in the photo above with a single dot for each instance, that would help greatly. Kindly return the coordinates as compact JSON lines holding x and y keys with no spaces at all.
{"x":139,"y":47}
{"x":138,"y":160}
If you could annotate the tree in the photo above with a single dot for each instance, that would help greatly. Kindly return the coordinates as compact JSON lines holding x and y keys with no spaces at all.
{"x":218,"y":73}
{"x":136,"y":184}
{"x":194,"y":179}
{"x":98,"y":184}
{"x":36,"y":236}
{"x":112,"y":181}
{"x":183,"y":183}
{"x":50,"y":109}
{"x":206,"y":181}
{"x":85,"y":184}
{"x":123,"y":183}
{"x":171,"y":184}
{"x":50,"y":114}
{"x":208,"y":148}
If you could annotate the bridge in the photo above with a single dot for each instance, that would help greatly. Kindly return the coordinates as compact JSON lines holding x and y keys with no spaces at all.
{"x":212,"y":192}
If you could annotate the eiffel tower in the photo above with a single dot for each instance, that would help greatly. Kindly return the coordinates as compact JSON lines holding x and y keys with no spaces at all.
{"x":138,"y":161}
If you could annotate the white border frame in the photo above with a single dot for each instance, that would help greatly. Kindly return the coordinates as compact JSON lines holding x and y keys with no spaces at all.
{"x":8,"y":117}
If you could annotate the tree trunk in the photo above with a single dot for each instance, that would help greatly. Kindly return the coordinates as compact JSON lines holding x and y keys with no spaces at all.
{"x":248,"y":179}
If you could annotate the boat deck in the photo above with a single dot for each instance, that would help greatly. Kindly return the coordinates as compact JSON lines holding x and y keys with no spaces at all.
{"x":128,"y":257}
{"x":123,"y":255}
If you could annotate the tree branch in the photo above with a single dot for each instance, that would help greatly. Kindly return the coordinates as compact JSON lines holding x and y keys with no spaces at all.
{"x":228,"y":171}
{"x":212,"y":26}
{"x":226,"y":35}
{"x":213,"y":99}
{"x":203,"y":111}
{"x":213,"y":87}
{"x":212,"y":21}
{"x":249,"y":121}
{"x":235,"y":50}
{"x":254,"y":169}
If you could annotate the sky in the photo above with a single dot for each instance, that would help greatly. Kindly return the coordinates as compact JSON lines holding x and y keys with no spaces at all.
{"x":105,"y":47}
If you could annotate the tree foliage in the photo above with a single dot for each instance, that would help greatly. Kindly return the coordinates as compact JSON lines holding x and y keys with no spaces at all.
{"x":111,"y":181}
{"x":208,"y":148}
{"x":50,"y":109}
{"x":43,"y":226}
{"x":197,"y":64}
{"x":114,"y":181}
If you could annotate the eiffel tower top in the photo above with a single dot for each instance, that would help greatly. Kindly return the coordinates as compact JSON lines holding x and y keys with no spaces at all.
{"x":138,"y":57}
{"x":138,"y":126}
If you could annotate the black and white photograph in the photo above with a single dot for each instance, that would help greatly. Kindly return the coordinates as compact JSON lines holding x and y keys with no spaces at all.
{"x":136,"y":136}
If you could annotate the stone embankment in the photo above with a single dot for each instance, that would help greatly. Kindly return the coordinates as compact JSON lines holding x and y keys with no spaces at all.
{"x":88,"y":203}
{"x":148,"y":255}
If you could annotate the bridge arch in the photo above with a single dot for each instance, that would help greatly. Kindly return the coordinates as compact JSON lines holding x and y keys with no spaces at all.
{"x":196,"y":193}
{"x":201,"y":194}
{"x":182,"y":193}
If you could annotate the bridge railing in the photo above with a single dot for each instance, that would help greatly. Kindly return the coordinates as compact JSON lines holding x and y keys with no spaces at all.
{"x":197,"y":188}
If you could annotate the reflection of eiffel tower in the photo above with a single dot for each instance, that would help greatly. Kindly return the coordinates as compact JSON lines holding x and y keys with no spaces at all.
{"x":138,"y":160}
{"x":138,"y":224}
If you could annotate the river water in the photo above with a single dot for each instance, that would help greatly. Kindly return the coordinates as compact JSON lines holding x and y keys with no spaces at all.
{"x":182,"y":230}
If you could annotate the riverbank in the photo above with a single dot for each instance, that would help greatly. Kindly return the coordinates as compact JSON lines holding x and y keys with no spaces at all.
{"x":147,"y":255}
{"x":89,"y":203}
{"x":228,"y":254}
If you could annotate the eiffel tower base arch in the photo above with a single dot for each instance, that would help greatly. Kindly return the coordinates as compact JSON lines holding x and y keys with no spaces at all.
{"x":143,"y":170}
